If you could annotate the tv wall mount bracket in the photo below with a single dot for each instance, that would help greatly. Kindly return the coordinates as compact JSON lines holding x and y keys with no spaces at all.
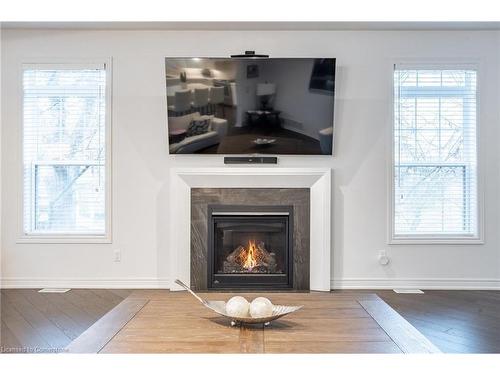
{"x":250,"y":55}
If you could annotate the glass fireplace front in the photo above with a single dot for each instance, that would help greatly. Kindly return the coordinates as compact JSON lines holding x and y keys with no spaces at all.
{"x":250,"y":247}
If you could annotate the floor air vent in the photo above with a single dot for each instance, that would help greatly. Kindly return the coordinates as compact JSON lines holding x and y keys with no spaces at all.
{"x":408,"y":291}
{"x":53,"y":290}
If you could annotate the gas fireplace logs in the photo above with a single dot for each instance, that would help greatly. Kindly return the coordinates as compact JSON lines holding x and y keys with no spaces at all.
{"x":254,"y":258}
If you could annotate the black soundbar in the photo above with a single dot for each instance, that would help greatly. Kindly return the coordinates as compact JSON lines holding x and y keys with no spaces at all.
{"x":250,"y":160}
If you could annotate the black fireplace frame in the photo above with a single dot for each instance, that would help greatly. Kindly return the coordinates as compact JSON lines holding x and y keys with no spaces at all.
{"x":249,"y":281}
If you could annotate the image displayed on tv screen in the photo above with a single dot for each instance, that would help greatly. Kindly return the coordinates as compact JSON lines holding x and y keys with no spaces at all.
{"x":281,"y":106}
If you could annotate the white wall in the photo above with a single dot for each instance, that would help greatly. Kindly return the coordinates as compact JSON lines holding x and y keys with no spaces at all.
{"x":141,"y":163}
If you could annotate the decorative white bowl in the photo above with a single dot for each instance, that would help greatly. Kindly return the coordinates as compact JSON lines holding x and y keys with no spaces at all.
{"x":220,"y":308}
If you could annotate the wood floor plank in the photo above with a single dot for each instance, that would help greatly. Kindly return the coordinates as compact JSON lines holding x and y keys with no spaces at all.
{"x":406,"y":337}
{"x":107,"y":295}
{"x":459,"y":310}
{"x":461,"y":345}
{"x":8,"y":341}
{"x":50,"y":333}
{"x":24,"y":332}
{"x":455,"y":321}
{"x":53,"y":315}
{"x":78,"y":314}
{"x":67,"y":325}
{"x":444,"y":319}
{"x":93,"y":302}
{"x":122,"y":293}
{"x":459,"y":331}
{"x":89,"y":308}
{"x":99,"y":334}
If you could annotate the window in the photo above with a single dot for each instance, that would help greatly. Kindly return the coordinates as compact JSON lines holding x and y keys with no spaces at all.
{"x":435,"y":159}
{"x":65,"y":144}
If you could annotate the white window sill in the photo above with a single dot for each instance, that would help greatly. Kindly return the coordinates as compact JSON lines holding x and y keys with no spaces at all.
{"x":64,"y":239}
{"x":436,"y":241}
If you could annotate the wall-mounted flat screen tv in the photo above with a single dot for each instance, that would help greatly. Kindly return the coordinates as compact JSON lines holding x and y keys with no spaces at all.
{"x":278,"y":106}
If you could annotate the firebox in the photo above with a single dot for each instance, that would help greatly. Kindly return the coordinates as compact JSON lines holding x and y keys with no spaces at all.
{"x":250,"y":247}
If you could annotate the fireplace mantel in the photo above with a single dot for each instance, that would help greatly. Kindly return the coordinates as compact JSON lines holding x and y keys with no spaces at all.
{"x":318,"y":180}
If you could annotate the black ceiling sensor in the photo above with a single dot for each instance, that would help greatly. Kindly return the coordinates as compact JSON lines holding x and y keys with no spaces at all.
{"x":250,"y":55}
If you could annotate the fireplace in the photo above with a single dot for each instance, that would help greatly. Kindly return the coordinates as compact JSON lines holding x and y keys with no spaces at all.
{"x":250,"y":247}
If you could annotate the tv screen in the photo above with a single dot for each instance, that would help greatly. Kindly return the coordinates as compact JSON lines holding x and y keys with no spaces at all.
{"x":278,"y":106}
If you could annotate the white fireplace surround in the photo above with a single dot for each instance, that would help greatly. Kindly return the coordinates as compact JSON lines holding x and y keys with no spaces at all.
{"x":182,"y":180}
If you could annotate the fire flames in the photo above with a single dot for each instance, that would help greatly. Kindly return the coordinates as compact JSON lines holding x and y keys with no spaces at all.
{"x":253,"y":258}
{"x":250,"y":257}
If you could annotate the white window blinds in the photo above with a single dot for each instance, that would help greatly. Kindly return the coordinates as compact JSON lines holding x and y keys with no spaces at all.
{"x":435,"y":161}
{"x":64,"y":149}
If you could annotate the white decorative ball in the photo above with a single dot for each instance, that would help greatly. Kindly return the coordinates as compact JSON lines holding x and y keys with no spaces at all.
{"x":261,"y":307}
{"x":237,"y":306}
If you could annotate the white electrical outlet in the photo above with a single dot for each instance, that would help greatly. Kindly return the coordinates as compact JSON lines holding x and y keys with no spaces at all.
{"x":117,"y":256}
{"x":383,"y":259}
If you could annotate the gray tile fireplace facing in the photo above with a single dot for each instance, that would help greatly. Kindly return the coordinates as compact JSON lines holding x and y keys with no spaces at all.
{"x":202,"y":197}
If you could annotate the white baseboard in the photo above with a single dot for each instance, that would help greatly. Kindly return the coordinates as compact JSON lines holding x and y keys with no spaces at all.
{"x":436,"y":283}
{"x":346,"y":283}
{"x":90,"y":283}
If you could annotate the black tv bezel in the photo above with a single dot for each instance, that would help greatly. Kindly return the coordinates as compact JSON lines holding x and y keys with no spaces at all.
{"x":258,"y":57}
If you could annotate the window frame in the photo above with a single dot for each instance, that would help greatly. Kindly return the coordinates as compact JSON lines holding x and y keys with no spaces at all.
{"x":430,"y":239}
{"x":55,"y":238}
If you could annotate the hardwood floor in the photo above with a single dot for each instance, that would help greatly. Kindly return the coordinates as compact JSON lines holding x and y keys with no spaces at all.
{"x":48,"y":322}
{"x":454,"y":321}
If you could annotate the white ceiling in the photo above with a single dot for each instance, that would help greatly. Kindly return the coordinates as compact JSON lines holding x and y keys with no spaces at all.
{"x":254,"y":25}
